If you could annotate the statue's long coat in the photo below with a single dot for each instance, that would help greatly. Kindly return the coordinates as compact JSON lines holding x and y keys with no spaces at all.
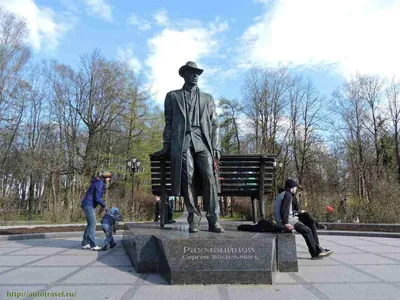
{"x":175,"y":128}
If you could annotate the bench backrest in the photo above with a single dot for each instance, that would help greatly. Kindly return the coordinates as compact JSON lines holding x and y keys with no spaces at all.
{"x":240,"y":175}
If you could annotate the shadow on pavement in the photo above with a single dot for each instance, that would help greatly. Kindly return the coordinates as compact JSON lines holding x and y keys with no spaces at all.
{"x":69,"y":253}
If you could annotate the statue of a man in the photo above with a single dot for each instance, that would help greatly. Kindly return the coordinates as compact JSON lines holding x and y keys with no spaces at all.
{"x":191,"y":136}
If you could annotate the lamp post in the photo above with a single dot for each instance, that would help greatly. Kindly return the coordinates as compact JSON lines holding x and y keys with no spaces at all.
{"x":282,"y":171}
{"x":133,"y":166}
{"x":278,"y":173}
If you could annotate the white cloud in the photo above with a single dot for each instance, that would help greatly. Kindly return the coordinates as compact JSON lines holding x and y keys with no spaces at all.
{"x":172,"y":48}
{"x":161,"y":17}
{"x":126,"y":54}
{"x":143,"y":25}
{"x":45,"y":27}
{"x":354,"y":36}
{"x":99,"y":8}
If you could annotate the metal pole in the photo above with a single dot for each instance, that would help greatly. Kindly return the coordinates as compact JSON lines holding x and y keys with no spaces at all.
{"x":133,"y":192}
{"x":163,"y":196}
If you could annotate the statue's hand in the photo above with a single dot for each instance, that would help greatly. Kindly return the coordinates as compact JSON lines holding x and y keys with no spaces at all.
{"x":217,"y":154}
{"x":163,"y":152}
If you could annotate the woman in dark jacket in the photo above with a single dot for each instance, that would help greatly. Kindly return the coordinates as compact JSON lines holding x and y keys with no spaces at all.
{"x":93,"y":197}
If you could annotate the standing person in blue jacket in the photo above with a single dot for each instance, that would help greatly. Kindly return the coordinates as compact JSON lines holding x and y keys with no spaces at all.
{"x":109,"y":224}
{"x":93,"y":197}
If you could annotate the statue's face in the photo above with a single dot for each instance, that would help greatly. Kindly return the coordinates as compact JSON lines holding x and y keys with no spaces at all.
{"x":191,"y":76}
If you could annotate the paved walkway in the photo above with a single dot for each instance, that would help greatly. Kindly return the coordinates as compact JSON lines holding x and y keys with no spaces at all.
{"x":361,"y":268}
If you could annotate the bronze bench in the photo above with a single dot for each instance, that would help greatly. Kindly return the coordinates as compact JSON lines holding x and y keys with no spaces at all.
{"x":240,"y":175}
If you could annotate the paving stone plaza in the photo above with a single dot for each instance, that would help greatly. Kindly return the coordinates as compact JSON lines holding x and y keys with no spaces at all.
{"x":361,"y":268}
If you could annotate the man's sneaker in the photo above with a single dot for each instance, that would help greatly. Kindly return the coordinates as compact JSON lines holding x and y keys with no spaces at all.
{"x":217,"y":228}
{"x":316,"y":257}
{"x":170,"y":221}
{"x":104,"y":248}
{"x":86,"y":246}
{"x":113,"y":245}
{"x":326,"y":252}
{"x":97,"y":248}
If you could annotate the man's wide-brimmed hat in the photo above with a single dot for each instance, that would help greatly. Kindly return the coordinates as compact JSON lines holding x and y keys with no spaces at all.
{"x":190,"y":65}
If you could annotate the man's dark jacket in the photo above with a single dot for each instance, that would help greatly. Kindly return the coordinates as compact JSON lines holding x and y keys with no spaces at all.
{"x":175,"y":128}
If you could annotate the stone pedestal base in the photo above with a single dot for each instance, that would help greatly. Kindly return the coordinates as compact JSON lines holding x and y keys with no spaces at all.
{"x":232,"y":257}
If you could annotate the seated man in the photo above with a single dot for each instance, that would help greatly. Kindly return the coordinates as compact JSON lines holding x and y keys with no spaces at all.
{"x":284,"y":217}
{"x":304,"y":216}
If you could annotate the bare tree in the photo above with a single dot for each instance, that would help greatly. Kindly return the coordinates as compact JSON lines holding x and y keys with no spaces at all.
{"x":393,"y":96}
{"x":14,"y":55}
{"x":306,"y":118}
{"x":371,"y":88}
{"x":352,"y":110}
{"x":98,"y":86}
{"x":229,"y":127}
{"x":265,"y":95}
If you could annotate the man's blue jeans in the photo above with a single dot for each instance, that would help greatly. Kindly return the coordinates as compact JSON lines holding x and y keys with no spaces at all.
{"x":89,"y":234}
{"x":109,"y":234}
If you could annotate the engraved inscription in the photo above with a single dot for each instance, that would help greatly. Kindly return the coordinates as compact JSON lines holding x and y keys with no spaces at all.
{"x":207,"y":253}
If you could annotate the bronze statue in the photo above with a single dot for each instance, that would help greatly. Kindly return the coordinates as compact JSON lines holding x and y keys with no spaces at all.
{"x":191,"y":136}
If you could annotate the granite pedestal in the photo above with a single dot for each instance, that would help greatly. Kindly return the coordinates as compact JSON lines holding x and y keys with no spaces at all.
{"x":232,"y":257}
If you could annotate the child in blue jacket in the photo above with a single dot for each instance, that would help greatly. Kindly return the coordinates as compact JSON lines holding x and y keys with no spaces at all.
{"x":109,"y":224}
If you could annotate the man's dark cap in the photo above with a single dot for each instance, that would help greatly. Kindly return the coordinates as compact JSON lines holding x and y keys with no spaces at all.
{"x":190,"y":65}
{"x":290,"y":183}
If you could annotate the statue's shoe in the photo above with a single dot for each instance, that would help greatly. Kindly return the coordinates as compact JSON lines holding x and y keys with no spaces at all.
{"x":193,"y":228}
{"x":217,"y":228}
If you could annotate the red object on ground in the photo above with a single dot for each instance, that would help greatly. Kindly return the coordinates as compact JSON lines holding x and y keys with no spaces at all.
{"x":329,"y":208}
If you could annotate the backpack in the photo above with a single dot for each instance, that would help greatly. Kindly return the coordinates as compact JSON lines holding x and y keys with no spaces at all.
{"x":263,"y":225}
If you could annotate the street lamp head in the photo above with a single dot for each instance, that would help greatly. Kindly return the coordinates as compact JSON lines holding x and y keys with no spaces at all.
{"x":134,"y":160}
{"x":129,"y":164}
{"x":138,"y":164}
{"x":280,"y":164}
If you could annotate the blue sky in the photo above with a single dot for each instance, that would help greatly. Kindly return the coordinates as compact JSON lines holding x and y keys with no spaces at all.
{"x":328,"y":41}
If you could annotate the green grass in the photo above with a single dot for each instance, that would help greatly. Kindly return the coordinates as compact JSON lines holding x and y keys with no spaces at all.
{"x":177,"y":214}
{"x":236,"y":217}
{"x":24,"y":217}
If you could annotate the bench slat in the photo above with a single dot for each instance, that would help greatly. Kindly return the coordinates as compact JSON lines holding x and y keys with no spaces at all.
{"x":158,"y":170}
{"x":224,"y":193}
{"x":240,"y":181}
{"x":245,"y":163}
{"x":238,"y":169}
{"x":222,"y":176}
{"x":239,"y":175}
{"x":158,"y":181}
{"x":242,"y":170}
{"x":158,"y":163}
{"x":235,"y":184}
{"x":238,"y":157}
{"x":240,"y":163}
{"x":246,"y":158}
